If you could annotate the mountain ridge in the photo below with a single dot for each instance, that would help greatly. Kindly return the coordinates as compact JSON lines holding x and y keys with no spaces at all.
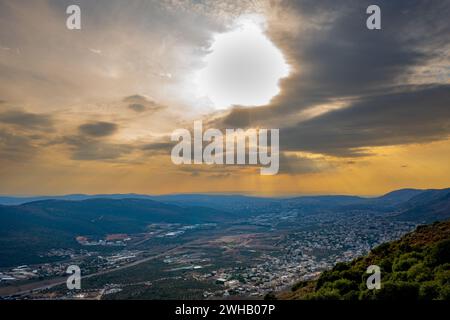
{"x":395,"y":195}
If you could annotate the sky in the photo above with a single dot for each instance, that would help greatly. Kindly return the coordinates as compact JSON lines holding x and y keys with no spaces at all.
{"x":91,"y":111}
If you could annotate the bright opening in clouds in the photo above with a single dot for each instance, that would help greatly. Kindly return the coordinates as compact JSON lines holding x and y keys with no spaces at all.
{"x":243,"y":67}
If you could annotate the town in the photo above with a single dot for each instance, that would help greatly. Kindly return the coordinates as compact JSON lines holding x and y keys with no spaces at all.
{"x":249,"y":258}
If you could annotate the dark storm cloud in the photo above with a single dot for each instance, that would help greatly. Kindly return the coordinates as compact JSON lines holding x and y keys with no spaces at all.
{"x":292,"y":164}
{"x":140,"y":104}
{"x":135,"y":98}
{"x":98,"y":129}
{"x":289,"y":164}
{"x":96,"y":150}
{"x":85,"y":148}
{"x":90,"y":143}
{"x":342,"y":57}
{"x":419,"y":115}
{"x":339,"y":59}
{"x":238,"y":118}
{"x":137,"y":107}
{"x":15,"y":147}
{"x":158,"y":148}
{"x":213,"y":171}
{"x":26,"y":120}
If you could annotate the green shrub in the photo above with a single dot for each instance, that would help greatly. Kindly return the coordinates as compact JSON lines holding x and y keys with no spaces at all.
{"x":344,"y":285}
{"x":443,"y":277}
{"x":444,"y":293}
{"x":397,"y":291}
{"x":403,"y":263}
{"x":429,"y":290}
{"x":382,"y":249}
{"x":366,"y":294}
{"x":326,"y":294}
{"x":440,"y":253}
{"x":341,"y":266}
{"x":419,"y":272}
{"x":398,"y":276}
{"x":299,"y":285}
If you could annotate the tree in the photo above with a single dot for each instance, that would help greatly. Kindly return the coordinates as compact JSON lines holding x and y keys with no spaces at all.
{"x":270,"y":296}
{"x":398,"y":291}
{"x":429,"y":290}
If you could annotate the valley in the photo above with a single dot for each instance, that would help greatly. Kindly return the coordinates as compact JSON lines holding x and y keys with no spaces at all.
{"x":265,"y":245}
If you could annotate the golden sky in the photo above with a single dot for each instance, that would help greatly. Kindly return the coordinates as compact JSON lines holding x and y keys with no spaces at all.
{"x":91,"y":110}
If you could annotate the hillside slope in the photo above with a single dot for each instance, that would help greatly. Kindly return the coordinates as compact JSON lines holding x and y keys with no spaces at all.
{"x":415,"y":267}
{"x":30,"y":228}
{"x":428,"y":206}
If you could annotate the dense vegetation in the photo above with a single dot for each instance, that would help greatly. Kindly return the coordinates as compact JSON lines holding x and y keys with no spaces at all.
{"x":416,"y":267}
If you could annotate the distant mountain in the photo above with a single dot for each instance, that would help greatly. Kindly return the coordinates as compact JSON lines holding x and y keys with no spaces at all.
{"x":205,"y":200}
{"x":398,"y":201}
{"x":325,"y":202}
{"x":8,"y":200}
{"x":427,"y":206}
{"x":97,"y":216}
{"x":421,"y":206}
{"x":239,"y":204}
{"x":398,"y":196}
{"x":38,"y":226}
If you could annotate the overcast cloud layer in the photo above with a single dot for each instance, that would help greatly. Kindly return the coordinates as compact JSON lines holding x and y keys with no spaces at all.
{"x":113,"y":92}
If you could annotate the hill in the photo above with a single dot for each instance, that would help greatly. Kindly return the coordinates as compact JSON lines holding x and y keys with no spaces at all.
{"x":38,"y":226}
{"x":99,"y":216}
{"x":415,"y":267}
{"x":398,"y":196}
{"x":405,"y":204}
{"x":428,"y":206}
{"x":180,"y":199}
